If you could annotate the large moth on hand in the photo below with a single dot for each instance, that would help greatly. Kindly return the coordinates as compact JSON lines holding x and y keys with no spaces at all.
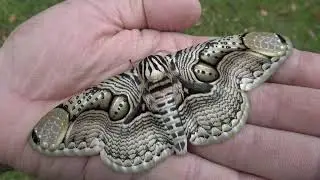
{"x":136,"y":119}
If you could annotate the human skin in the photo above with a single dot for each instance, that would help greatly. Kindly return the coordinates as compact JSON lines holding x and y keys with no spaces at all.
{"x":78,"y":43}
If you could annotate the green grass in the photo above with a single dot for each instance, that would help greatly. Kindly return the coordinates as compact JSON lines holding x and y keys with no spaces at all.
{"x":13,"y":12}
{"x":297,"y":19}
{"x":14,"y":175}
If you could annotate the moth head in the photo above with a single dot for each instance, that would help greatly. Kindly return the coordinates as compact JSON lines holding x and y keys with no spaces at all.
{"x":155,"y":75}
{"x":153,"y":68}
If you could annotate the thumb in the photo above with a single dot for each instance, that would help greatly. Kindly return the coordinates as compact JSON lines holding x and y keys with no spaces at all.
{"x":77,"y":43}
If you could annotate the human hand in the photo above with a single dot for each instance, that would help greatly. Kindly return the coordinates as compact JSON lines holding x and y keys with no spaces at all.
{"x":79,"y":43}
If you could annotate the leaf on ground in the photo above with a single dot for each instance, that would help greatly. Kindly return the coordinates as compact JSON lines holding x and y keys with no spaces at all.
{"x":12,"y":18}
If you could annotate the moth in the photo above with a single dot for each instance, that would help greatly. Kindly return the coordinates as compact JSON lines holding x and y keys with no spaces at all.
{"x":138,"y":118}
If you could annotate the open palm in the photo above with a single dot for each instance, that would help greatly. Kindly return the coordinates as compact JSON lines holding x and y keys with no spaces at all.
{"x":79,"y":43}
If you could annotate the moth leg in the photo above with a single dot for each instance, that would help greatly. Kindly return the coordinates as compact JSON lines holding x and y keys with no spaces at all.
{"x":178,"y":92}
{"x":149,"y":102}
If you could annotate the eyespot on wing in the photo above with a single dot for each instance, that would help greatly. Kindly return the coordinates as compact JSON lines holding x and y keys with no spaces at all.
{"x":51,"y":129}
{"x":119,"y":108}
{"x":266,"y":43}
{"x":205,"y":72}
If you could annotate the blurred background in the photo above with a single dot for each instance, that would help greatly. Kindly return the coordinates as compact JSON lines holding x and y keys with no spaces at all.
{"x":297,"y":19}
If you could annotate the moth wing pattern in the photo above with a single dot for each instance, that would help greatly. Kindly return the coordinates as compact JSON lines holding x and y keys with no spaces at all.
{"x":232,"y":65}
{"x":132,"y":147}
{"x":216,"y":116}
{"x":250,"y":68}
{"x":136,"y":119}
{"x":87,"y":124}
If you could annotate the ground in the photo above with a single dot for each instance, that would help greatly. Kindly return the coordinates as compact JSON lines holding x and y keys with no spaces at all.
{"x":297,"y":19}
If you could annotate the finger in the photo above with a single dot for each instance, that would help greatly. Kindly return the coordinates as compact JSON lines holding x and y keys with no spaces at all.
{"x":268,"y":153}
{"x":301,"y":69}
{"x":51,"y":168}
{"x":18,"y":118}
{"x":19,"y":154}
{"x":182,"y":167}
{"x":168,"y":15}
{"x":284,"y":107}
{"x":165,"y":15}
{"x":188,"y":166}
